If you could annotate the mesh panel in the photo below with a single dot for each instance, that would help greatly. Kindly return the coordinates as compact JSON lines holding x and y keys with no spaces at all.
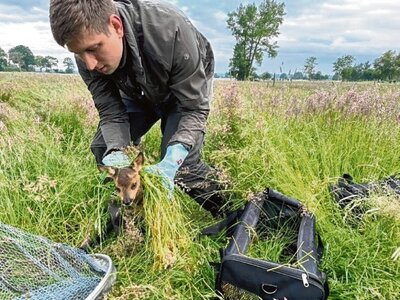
{"x":32,"y":267}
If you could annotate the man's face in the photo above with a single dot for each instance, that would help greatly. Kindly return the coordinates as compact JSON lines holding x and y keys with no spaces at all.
{"x":101,"y":52}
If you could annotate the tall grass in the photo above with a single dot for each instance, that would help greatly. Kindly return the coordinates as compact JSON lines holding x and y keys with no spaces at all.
{"x":297,"y":138}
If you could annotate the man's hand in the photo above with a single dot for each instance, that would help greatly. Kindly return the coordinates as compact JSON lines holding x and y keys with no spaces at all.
{"x":168,"y":167}
{"x":117,"y":159}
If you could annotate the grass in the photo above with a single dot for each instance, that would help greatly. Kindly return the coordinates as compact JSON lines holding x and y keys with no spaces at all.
{"x":297,"y":138}
{"x":168,"y":230}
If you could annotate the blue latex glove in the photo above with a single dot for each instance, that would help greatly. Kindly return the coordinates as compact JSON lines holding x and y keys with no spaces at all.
{"x":168,"y":167}
{"x":116,"y":159}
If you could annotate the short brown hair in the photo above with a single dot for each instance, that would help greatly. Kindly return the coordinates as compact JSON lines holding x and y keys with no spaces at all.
{"x":69,"y":18}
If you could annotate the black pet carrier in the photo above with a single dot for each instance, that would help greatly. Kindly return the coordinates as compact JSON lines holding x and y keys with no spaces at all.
{"x":239,"y":276}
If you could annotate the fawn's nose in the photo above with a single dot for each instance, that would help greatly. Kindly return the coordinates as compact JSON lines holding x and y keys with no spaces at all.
{"x":127,"y":201}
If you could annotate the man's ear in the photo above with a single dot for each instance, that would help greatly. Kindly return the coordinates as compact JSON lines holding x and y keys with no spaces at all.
{"x":138,"y":162}
{"x":117,"y":25}
{"x":111,"y":171}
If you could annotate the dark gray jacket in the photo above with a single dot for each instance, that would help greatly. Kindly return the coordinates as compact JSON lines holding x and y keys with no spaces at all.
{"x":169,"y":60}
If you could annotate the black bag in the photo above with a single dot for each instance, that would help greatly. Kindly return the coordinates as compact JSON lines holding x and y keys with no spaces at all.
{"x":346,"y":190}
{"x":239,"y":275}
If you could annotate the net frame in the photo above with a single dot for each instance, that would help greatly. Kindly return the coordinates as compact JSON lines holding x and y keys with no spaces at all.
{"x":33,"y":267}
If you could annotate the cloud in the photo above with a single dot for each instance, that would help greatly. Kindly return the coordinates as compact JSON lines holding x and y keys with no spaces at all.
{"x":220,"y":17}
{"x":15,"y":12}
{"x":356,"y":27}
{"x":218,"y":35}
{"x":17,"y":27}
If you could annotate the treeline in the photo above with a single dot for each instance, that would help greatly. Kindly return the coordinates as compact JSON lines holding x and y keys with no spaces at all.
{"x":385,"y":68}
{"x":345,"y":68}
{"x":21,"y":58}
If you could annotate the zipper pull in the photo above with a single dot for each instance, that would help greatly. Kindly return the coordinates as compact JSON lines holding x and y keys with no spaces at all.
{"x":304,"y":277}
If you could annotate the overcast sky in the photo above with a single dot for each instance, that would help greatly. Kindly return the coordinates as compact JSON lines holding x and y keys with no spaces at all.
{"x":326,"y":29}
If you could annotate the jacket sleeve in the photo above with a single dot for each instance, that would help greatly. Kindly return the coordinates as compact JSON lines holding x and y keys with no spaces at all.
{"x":114,"y":120}
{"x":189,"y":83}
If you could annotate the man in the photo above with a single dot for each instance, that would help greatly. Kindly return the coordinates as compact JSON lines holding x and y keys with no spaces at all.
{"x":143,"y":61}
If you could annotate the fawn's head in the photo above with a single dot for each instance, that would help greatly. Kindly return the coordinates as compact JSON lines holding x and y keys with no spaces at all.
{"x":127,"y":181}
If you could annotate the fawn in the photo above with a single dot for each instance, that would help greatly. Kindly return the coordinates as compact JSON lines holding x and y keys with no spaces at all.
{"x":130,"y":191}
{"x":127,"y":181}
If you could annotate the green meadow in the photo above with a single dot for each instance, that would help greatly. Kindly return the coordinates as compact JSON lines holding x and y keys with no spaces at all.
{"x":295,"y":137}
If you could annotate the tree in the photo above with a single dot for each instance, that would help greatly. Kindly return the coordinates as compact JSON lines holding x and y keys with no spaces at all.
{"x":22,"y":56}
{"x":254,"y":76}
{"x":40,"y":62}
{"x":336,"y":77}
{"x":3,"y":59}
{"x":319,"y":76}
{"x":309,"y":67}
{"x":348,"y":74}
{"x":387,"y":66}
{"x":253,"y":28}
{"x":68,"y":63}
{"x":50,"y":62}
{"x":369,"y":74}
{"x":345,"y":71}
{"x":297,"y":75}
{"x":265,"y":76}
{"x":342,"y":66}
{"x":239,"y":65}
{"x":398,"y":61}
{"x":361,"y":71}
{"x":283,"y":76}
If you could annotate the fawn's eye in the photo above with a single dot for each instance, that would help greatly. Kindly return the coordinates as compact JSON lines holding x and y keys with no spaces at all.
{"x":133,"y":186}
{"x":118,"y":189}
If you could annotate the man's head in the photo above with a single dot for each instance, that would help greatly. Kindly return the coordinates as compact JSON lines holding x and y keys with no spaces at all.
{"x":91,"y":29}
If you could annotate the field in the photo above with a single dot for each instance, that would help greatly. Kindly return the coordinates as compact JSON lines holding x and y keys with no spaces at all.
{"x":295,"y":137}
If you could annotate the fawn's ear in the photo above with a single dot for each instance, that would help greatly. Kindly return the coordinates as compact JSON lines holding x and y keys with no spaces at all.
{"x":109,"y":170}
{"x":138,"y":162}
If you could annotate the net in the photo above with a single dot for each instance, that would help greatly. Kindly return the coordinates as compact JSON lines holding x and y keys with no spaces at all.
{"x":33,"y":267}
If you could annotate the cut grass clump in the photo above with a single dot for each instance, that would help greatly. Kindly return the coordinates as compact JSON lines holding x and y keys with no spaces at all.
{"x":168,"y":234}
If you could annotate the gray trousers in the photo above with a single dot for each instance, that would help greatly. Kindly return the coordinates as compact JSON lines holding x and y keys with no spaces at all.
{"x":196,"y":178}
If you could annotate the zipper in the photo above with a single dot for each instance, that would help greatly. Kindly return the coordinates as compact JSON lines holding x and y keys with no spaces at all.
{"x":291,"y":272}
{"x":304,"y":277}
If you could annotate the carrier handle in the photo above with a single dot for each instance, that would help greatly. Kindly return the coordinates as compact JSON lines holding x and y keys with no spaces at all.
{"x":283,"y":198}
{"x":248,"y":223}
{"x":307,"y":253}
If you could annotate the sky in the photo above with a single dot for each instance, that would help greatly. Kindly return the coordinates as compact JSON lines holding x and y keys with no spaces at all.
{"x":326,"y":29}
